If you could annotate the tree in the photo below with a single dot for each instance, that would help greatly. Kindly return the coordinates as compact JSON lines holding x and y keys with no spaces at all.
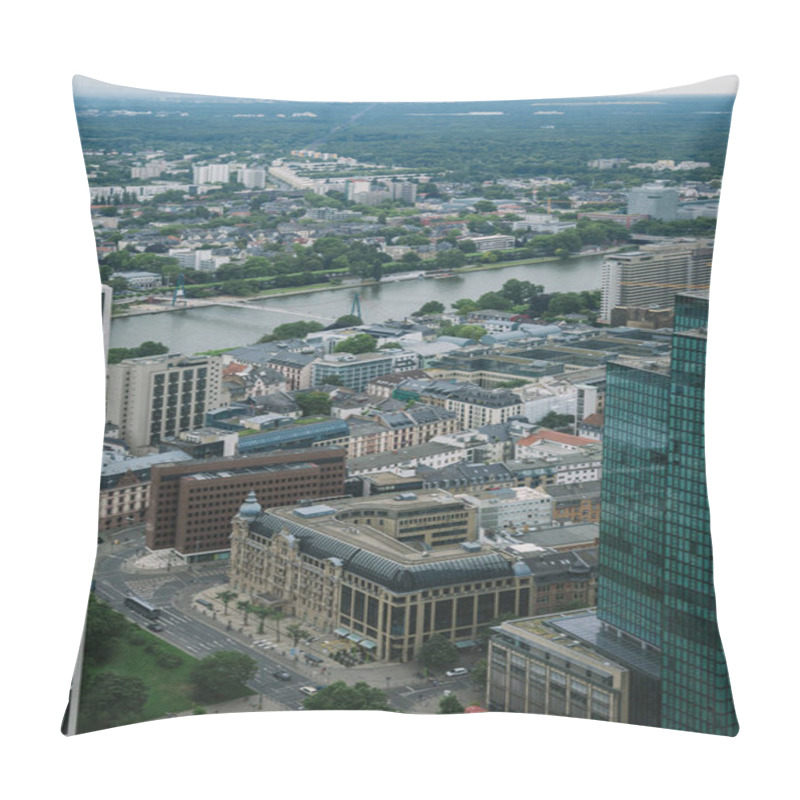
{"x":360,"y":343}
{"x":104,"y":627}
{"x":431,"y":307}
{"x":520,"y":292}
{"x":245,"y":607}
{"x":297,"y":632}
{"x":117,"y":354}
{"x":476,"y":332}
{"x":555,"y":421}
{"x":347,"y":321}
{"x":277,"y":615}
{"x":222,"y":675}
{"x":226,"y":596}
{"x":291,"y":330}
{"x":341,"y":697}
{"x":150,"y":348}
{"x":450,"y":704}
{"x":565,"y":303}
{"x":494,"y":301}
{"x":465,"y":305}
{"x":438,"y":653}
{"x":313,"y":404}
{"x":262,"y":612}
{"x":479,"y":672}
{"x":108,"y":700}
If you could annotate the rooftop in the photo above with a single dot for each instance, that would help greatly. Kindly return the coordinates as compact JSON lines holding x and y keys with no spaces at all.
{"x":376,"y":556}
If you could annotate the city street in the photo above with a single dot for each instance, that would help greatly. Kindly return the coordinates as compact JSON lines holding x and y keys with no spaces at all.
{"x":199,"y":631}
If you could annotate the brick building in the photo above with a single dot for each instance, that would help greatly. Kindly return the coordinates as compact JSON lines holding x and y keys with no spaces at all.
{"x":192,"y":503}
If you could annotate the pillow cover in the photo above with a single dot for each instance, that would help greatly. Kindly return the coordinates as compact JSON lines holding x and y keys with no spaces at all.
{"x":404,"y":407}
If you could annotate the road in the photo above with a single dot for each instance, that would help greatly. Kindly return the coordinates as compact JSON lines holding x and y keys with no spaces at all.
{"x":187,"y":630}
{"x":199,"y":632}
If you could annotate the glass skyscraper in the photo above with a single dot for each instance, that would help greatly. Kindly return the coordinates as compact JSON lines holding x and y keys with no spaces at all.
{"x":655,"y":580}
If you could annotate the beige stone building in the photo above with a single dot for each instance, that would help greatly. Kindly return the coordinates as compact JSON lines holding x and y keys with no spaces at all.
{"x":154,"y":397}
{"x":386,"y":573}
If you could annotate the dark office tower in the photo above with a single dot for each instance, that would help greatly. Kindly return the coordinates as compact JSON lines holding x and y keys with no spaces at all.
{"x":630,"y":576}
{"x":696,"y":692}
{"x":655,"y":580}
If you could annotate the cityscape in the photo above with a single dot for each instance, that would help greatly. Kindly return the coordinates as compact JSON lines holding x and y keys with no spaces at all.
{"x":397,"y":419}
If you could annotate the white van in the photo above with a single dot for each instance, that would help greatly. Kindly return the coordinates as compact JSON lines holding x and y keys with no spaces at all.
{"x":456,"y":672}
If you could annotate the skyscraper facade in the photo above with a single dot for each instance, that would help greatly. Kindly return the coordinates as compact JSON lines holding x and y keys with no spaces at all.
{"x":696,"y":691}
{"x":655,"y":578}
{"x":630,"y":585}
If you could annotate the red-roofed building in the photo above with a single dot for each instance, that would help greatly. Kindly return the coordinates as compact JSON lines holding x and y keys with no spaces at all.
{"x":592,"y":427}
{"x":566,"y":440}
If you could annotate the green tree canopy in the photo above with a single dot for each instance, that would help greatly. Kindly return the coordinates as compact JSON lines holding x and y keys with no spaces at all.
{"x":555,"y":421}
{"x":108,"y":700}
{"x":313,"y":404}
{"x":438,"y":653}
{"x":117,"y":354}
{"x":495,"y":301}
{"x":360,"y":343}
{"x":297,"y":632}
{"x":291,"y":330}
{"x":464,"y":305}
{"x":450,"y":704}
{"x":222,"y":675}
{"x":104,"y":627}
{"x":341,"y":697}
{"x":347,"y":321}
{"x":476,"y":332}
{"x":431,"y":307}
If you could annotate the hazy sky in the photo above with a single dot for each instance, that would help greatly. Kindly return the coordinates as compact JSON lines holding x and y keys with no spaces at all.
{"x":724,"y":85}
{"x":89,"y":87}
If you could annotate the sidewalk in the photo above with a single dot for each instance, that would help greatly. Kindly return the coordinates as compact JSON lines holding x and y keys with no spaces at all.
{"x":267,"y":638}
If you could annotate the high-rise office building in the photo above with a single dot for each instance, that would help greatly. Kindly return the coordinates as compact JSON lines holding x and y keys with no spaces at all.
{"x":696,"y":691}
{"x":632,"y":501}
{"x":656,"y":612}
{"x":655,"y":582}
{"x":654,"y":275}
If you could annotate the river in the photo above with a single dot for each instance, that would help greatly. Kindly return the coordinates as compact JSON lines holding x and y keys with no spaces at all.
{"x":216,"y":327}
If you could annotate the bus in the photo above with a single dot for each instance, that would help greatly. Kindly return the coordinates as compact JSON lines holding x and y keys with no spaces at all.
{"x":142,"y":607}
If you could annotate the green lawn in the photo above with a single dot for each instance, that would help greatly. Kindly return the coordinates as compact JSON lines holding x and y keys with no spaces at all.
{"x":169,"y":690}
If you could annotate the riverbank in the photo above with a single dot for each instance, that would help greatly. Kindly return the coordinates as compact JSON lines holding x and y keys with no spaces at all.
{"x":234,"y":301}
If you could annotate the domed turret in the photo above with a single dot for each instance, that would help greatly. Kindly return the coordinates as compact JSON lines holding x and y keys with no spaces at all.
{"x":250,"y":509}
{"x":520,"y":568}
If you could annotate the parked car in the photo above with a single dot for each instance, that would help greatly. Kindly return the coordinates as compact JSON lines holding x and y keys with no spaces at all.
{"x":309,"y":690}
{"x":456,"y":672}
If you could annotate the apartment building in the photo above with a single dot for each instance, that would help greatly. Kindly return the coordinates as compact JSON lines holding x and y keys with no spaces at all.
{"x":154,"y":397}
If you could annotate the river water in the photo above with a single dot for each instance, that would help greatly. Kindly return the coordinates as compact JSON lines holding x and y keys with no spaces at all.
{"x":216,"y":327}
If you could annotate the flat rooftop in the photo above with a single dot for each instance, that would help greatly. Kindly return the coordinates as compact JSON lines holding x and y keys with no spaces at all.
{"x":547,"y":632}
{"x":368,"y":537}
